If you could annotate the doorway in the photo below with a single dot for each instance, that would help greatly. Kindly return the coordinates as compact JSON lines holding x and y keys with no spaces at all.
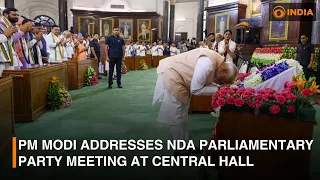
{"x":181,"y":36}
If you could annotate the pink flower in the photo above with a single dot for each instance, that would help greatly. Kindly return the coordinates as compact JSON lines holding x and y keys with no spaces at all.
{"x":266,"y":98}
{"x":239,"y":102}
{"x":281,"y":99}
{"x":247,"y":94}
{"x":306,"y":92}
{"x":259,"y":97}
{"x":215,"y":95}
{"x":214,"y":104}
{"x":221,"y":102}
{"x":258,"y":104}
{"x":290,"y":84}
{"x":223,"y":92}
{"x":231,"y":91}
{"x":291,"y":109}
{"x":224,"y":88}
{"x":317,"y":101}
{"x":274,"y":109}
{"x":251,"y":104}
{"x":251,"y":90}
{"x":240,"y":91}
{"x":230,"y":100}
{"x":292,"y":97}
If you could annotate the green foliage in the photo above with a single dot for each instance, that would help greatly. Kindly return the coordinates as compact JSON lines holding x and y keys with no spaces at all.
{"x":58,"y":96}
{"x":143,"y":65}
{"x":90,"y":73}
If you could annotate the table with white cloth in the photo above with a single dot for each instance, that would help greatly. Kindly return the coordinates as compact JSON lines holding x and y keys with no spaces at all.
{"x":278,"y":81}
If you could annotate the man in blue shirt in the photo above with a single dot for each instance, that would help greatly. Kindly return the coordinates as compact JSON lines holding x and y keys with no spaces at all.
{"x":115,"y":50}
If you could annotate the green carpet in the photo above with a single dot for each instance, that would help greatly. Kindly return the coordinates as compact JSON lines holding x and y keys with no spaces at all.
{"x":99,"y":113}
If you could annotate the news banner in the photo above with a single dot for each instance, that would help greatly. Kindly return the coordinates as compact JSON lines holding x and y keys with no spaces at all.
{"x":143,"y":145}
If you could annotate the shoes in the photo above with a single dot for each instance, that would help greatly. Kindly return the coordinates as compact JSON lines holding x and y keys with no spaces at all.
{"x":110,"y":87}
{"x":119,"y":86}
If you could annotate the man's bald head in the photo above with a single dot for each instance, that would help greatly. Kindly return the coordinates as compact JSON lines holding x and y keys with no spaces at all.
{"x":227,"y":73}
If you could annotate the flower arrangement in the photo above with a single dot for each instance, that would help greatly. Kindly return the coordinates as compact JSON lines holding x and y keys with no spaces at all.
{"x":293,"y":63}
{"x":304,"y":90}
{"x":316,"y":56}
{"x":253,"y":81}
{"x":270,"y":55}
{"x":242,"y":76}
{"x":263,"y":75}
{"x":58,"y":96}
{"x":266,"y":101}
{"x":289,"y":53}
{"x":143,"y":65}
{"x":91,"y":78}
{"x":124,"y":68}
{"x":265,"y":56}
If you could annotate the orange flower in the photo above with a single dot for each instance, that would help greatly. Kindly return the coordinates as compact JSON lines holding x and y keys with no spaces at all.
{"x":300,"y":84}
{"x":54,"y":79}
{"x":314,"y":87}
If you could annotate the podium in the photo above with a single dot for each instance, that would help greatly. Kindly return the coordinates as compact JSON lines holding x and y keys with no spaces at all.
{"x":7,"y":125}
{"x":77,"y":71}
{"x":30,"y":88}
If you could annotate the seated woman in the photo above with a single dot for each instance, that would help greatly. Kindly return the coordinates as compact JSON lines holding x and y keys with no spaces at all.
{"x":227,"y":47}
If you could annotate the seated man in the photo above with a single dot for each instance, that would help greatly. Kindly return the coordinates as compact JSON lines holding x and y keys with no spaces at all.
{"x":196,"y":72}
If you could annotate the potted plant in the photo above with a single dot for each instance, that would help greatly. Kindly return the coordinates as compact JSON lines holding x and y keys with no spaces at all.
{"x":91,"y":78}
{"x":143,"y":65}
{"x":58,"y":96}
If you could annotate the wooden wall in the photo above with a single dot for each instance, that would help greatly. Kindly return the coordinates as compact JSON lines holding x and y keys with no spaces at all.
{"x":237,"y":11}
{"x":156,"y":20}
{"x":294,"y":30}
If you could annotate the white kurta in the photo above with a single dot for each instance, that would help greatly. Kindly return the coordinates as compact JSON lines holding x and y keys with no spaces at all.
{"x":232,"y":47}
{"x":154,"y":51}
{"x":174,"y":112}
{"x":143,"y":50}
{"x":138,"y":47}
{"x":160,"y":50}
{"x":173,"y":51}
{"x":69,"y":48}
{"x":54,"y":50}
{"x":128,"y":51}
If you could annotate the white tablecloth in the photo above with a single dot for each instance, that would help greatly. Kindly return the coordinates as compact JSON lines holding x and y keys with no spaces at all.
{"x":277,"y":82}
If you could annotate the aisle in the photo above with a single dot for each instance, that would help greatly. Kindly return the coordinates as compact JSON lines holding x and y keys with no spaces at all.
{"x":99,"y":113}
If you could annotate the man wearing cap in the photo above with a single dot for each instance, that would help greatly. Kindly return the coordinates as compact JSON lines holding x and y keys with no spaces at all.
{"x":196,"y":72}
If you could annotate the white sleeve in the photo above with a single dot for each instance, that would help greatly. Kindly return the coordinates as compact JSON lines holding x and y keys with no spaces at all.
{"x":202,"y":70}
{"x":3,"y":38}
{"x":32,"y":43}
{"x":50,"y":42}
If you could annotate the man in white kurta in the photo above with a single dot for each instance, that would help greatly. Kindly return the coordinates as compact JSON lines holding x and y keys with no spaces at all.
{"x":4,"y":38}
{"x":55,"y":45}
{"x":143,"y":49}
{"x":160,"y":48}
{"x":154,"y":49}
{"x":184,"y":75}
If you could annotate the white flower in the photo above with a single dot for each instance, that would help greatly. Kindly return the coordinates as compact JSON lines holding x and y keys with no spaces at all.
{"x":253,"y":81}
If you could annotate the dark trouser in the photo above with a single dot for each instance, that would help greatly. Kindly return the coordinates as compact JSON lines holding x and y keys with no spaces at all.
{"x":308,"y":72}
{"x":118,"y":63}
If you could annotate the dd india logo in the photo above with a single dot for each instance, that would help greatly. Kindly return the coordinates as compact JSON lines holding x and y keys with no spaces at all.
{"x":293,"y":11}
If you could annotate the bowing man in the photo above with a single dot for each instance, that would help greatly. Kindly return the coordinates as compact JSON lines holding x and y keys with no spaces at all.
{"x":196,"y":72}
